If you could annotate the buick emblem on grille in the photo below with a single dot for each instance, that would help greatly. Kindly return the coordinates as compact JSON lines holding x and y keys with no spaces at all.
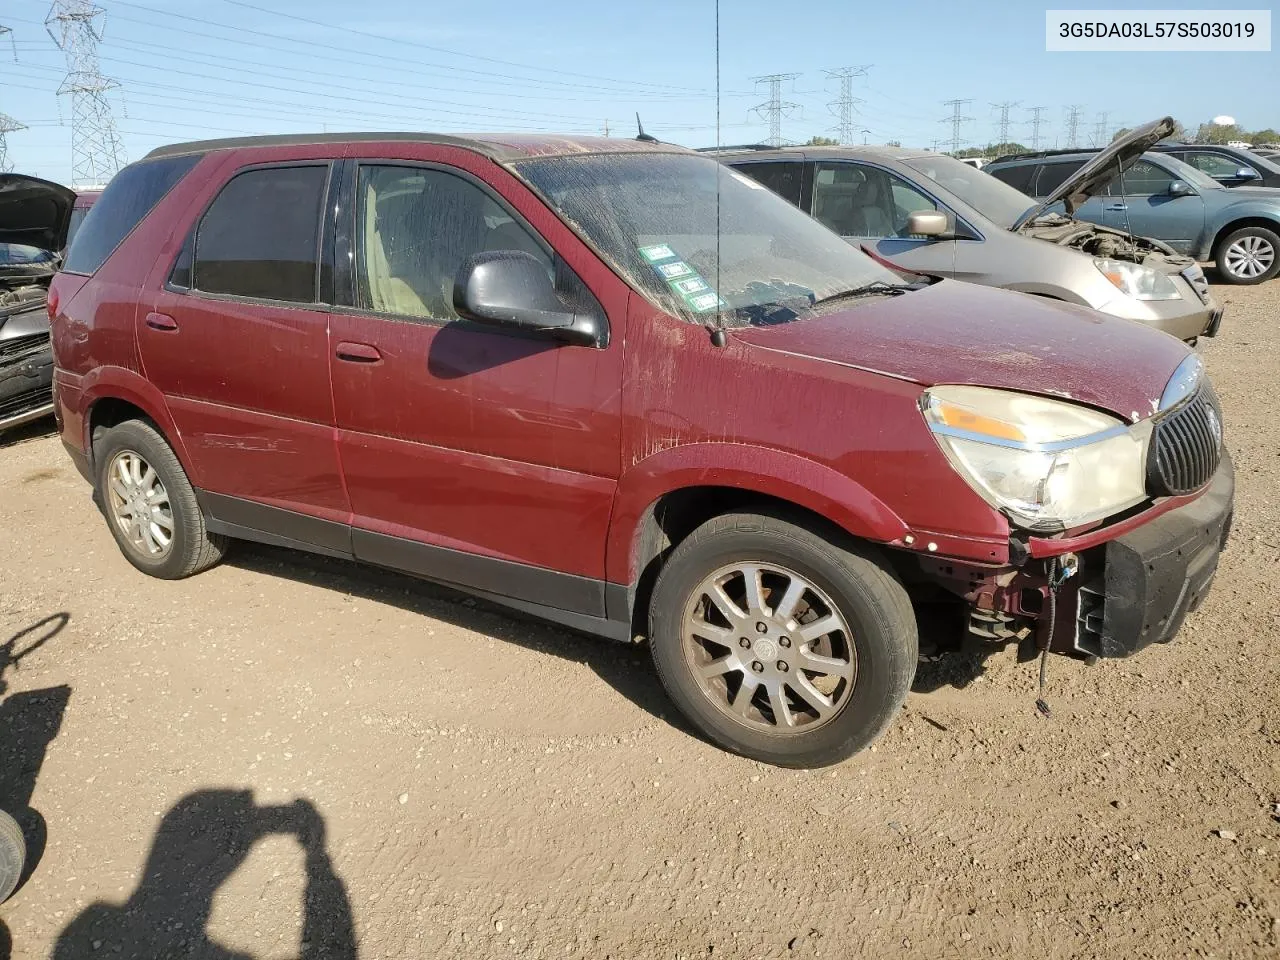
{"x":1215,"y":425}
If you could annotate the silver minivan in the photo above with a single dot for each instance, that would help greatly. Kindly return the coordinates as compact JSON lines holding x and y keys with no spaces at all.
{"x":929,"y":213}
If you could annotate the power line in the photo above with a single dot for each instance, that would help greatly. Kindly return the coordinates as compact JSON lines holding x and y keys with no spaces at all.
{"x":96,"y":149}
{"x":957,"y":121}
{"x":1036,"y":122}
{"x":845,"y":104}
{"x":7,"y":123}
{"x":775,"y":108}
{"x":1073,"y":125}
{"x":1004,"y":109}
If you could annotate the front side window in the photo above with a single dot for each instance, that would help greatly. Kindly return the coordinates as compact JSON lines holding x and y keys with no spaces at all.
{"x":700,"y":239}
{"x":859,"y":201}
{"x":1143,"y":179}
{"x":415,"y":227}
{"x":1214,"y":164}
{"x":261,"y":236}
{"x":781,"y":176}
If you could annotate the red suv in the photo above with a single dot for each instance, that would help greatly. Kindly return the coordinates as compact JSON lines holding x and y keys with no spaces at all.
{"x":625,"y":388}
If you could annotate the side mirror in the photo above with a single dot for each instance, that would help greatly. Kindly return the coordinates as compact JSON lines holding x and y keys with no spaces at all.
{"x":511,"y":288}
{"x":1248,"y":173}
{"x":930,"y":223}
{"x":1180,"y":188}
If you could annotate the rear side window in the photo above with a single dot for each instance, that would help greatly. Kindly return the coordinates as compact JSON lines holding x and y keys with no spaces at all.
{"x":1054,"y":175}
{"x":1018,"y":177}
{"x":123,"y":205}
{"x":780,"y":176}
{"x":261,"y":236}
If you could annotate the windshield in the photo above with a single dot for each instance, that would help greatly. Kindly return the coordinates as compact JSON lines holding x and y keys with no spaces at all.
{"x":994,"y":199}
{"x":13,"y":254}
{"x":654,"y":217}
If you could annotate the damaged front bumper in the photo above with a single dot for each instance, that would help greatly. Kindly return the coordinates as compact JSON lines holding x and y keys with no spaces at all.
{"x":1118,"y":594}
{"x":26,"y":379}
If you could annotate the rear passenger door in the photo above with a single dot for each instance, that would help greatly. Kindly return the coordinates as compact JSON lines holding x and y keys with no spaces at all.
{"x":1052,"y":175}
{"x":472,"y":454}
{"x":235,"y":334}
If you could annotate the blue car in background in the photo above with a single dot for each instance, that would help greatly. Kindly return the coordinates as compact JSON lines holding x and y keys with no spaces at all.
{"x":1156,"y":196}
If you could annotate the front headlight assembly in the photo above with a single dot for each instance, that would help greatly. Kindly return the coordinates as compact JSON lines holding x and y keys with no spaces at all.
{"x":1048,"y":465}
{"x":1136,"y":281}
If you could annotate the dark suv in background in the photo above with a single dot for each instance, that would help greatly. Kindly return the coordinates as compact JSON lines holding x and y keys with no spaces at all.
{"x":621,"y":387}
{"x":1159,"y":196}
{"x":1230,"y":166}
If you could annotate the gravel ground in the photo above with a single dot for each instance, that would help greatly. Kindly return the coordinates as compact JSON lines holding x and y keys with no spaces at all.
{"x":291,"y":756}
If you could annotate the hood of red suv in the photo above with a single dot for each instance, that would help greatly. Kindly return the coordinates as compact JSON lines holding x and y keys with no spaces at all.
{"x":963,"y":333}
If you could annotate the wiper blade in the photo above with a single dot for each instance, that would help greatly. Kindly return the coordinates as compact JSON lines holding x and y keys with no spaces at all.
{"x":867,"y":290}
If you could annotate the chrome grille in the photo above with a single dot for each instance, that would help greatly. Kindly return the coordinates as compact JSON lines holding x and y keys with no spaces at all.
{"x":1186,"y":447}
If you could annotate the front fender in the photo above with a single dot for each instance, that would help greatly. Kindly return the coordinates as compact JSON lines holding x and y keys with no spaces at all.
{"x":118,"y":383}
{"x":1245,"y":210}
{"x":775,"y":473}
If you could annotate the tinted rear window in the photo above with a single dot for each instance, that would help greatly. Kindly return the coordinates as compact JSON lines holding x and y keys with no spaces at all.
{"x":780,"y":176}
{"x":261,"y":236}
{"x":1018,"y":177}
{"x":1054,"y":175}
{"x":123,"y":205}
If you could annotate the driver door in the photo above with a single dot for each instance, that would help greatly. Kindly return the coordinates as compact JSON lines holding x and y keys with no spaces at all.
{"x":869,"y":207}
{"x":1145,"y":207}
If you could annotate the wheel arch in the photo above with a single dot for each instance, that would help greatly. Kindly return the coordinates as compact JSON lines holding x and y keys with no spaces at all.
{"x":666,"y":497}
{"x":116,"y":395}
{"x":1240,"y":223}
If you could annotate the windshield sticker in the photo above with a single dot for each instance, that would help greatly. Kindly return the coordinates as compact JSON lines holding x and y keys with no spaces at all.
{"x":673,"y":271}
{"x":684,"y":281}
{"x":656,"y":252}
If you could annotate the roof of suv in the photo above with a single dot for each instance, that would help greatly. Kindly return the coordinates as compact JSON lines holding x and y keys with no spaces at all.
{"x":819,"y":153}
{"x":503,"y":147}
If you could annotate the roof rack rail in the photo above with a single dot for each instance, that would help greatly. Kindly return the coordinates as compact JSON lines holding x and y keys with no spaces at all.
{"x":1036,"y":154}
{"x":736,"y":146}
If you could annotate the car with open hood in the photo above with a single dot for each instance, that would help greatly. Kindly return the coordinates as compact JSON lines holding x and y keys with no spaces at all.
{"x":931,"y":213}
{"x":34,"y":217}
{"x":623,"y":387}
{"x":1146,"y":192}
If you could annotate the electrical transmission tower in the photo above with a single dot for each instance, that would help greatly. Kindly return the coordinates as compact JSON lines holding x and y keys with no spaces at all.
{"x":1036,"y":123}
{"x":1004,"y":109}
{"x":7,"y":125}
{"x":957,"y":120}
{"x":775,"y":108}
{"x":844,"y":106}
{"x":1073,"y":126}
{"x":1100,"y":130}
{"x":96,"y":150}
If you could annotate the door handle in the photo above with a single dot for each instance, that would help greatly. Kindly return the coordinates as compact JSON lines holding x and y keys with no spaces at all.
{"x":161,"y":321}
{"x":1118,"y":206}
{"x":357,"y":352}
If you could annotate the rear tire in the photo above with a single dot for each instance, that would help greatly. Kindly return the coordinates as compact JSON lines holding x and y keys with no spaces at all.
{"x":1248,"y":255}
{"x":150,"y":505}
{"x":13,"y":852}
{"x":828,"y":672}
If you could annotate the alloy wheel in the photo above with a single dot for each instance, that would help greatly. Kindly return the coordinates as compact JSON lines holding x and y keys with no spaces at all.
{"x":139,"y":504}
{"x":769,"y":648}
{"x":1250,"y":257}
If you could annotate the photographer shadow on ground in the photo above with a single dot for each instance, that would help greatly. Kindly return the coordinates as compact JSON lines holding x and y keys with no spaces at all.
{"x":200,"y":843}
{"x":28,"y":723}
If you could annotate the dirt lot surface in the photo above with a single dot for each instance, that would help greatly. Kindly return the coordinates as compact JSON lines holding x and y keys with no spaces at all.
{"x":474,"y":785}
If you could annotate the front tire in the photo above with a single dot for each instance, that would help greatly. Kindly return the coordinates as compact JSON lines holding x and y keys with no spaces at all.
{"x":150,"y":505}
{"x":1249,"y":255}
{"x":779,"y":644}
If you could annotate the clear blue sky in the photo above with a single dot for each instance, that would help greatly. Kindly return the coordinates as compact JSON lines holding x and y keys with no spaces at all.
{"x":238,"y":67}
